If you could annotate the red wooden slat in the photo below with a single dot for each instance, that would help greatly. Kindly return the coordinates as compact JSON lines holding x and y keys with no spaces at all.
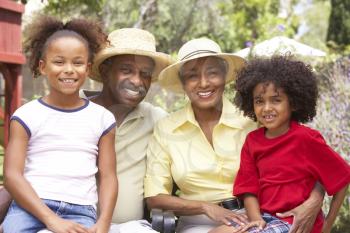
{"x":12,"y":6}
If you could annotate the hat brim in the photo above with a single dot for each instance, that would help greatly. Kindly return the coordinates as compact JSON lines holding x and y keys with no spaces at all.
{"x":161,"y":60}
{"x":170,"y":80}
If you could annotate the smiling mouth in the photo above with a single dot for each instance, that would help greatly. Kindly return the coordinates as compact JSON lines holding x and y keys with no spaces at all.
{"x":205,"y":94}
{"x":269,"y":117}
{"x":68,"y":80}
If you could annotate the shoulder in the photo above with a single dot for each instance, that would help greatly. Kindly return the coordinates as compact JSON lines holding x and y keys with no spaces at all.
{"x":171,"y":121}
{"x":306,"y":134}
{"x":154,"y":112}
{"x":99,"y":110}
{"x":29,"y":107}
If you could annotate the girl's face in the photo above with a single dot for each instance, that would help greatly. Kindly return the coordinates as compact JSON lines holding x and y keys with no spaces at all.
{"x":272,"y":109}
{"x":204,"y":82}
{"x":65,"y":64}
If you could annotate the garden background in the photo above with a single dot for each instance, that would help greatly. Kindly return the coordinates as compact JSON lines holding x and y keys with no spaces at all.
{"x":234,"y":24}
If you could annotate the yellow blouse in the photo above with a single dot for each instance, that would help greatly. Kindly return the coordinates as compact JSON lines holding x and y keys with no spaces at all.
{"x":179,"y":151}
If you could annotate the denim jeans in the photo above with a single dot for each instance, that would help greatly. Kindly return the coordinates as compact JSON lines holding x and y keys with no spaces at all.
{"x":19,"y":220}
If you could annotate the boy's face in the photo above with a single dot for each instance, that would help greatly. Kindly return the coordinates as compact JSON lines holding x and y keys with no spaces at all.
{"x":272,"y":109}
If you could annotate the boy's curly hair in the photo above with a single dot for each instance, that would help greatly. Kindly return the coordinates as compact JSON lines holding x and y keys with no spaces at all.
{"x":294,"y":77}
{"x":43,"y":27}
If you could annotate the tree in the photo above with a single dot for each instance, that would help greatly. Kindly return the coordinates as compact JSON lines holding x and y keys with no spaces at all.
{"x":339,"y":24}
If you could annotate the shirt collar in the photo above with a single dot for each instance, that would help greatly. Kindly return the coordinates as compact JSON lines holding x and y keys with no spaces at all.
{"x":136,"y":113}
{"x":230,"y":116}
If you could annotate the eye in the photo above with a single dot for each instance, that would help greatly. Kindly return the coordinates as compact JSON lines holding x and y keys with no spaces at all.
{"x":258,"y":101}
{"x":58,"y":62}
{"x":276,"y":100}
{"x":213,"y":72}
{"x":79,"y":63}
{"x":190,"y":76}
{"x":125,"y":70}
{"x":146,"y":74}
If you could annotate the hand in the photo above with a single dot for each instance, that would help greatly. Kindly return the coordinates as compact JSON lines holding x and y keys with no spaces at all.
{"x":260,"y":224}
{"x":59,"y":225}
{"x":222,"y":215}
{"x":100,"y":227}
{"x":304,"y":217}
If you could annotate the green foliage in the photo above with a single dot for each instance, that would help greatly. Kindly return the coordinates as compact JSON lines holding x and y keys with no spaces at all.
{"x":66,"y":9}
{"x":333,"y":121}
{"x":339,"y":24}
{"x":252,"y":21}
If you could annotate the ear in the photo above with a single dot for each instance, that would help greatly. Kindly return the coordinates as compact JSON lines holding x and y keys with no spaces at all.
{"x":42,"y":65}
{"x":88,"y":68}
{"x":104,"y":73}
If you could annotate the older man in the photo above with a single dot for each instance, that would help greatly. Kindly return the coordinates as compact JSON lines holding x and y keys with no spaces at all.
{"x":127,"y":67}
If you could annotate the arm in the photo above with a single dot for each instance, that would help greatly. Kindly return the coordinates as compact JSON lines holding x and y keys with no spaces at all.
{"x":20,"y":189}
{"x":107,"y":180}
{"x":306,"y":213}
{"x":252,"y":207}
{"x":337,"y":201}
{"x":188,"y":207}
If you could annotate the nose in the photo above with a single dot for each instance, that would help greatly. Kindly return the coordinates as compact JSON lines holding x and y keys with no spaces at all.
{"x":203,"y":81}
{"x":135,"y":79}
{"x":267,"y":106}
{"x":68,"y":68}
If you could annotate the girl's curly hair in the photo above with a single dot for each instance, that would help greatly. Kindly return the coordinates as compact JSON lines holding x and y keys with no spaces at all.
{"x":294,"y":77}
{"x":41,"y":29}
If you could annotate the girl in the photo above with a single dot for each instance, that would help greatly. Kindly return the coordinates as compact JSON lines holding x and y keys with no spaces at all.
{"x":282,"y":161}
{"x":59,"y":142}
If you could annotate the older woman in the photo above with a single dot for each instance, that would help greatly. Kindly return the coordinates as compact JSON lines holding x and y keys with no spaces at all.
{"x":199,"y":146}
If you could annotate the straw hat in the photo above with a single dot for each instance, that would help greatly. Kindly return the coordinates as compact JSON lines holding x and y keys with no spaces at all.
{"x":131,"y":41}
{"x":193,"y":49}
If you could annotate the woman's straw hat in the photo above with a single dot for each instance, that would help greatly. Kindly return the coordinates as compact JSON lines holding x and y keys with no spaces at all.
{"x":131,"y":41}
{"x":193,"y":49}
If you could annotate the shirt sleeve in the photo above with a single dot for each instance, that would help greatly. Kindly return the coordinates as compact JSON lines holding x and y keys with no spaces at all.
{"x":328,"y":166}
{"x":247,"y":179}
{"x":108,"y":122}
{"x":158,"y":179}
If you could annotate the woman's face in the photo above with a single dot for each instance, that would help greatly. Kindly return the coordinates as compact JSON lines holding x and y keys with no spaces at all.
{"x":203,"y":80}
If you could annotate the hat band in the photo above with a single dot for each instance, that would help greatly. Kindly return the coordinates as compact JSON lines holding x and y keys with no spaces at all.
{"x":197,"y":52}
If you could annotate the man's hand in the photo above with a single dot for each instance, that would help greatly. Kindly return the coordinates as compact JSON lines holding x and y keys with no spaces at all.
{"x":304,"y":217}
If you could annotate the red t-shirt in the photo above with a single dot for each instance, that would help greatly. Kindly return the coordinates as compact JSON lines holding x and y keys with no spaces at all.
{"x":282,"y":171}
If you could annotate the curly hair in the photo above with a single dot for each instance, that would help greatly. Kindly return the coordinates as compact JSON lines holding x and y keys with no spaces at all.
{"x":43,"y":29}
{"x":296,"y":79}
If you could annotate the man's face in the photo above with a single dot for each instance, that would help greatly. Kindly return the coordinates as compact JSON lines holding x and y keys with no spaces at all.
{"x":129,"y":78}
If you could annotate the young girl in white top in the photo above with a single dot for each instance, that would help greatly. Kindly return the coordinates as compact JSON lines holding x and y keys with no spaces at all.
{"x":59,"y":143}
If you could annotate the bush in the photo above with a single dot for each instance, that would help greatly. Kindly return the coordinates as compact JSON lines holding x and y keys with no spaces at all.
{"x":333,"y":121}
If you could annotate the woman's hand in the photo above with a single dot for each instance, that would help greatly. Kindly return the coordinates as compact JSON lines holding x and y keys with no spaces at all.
{"x":222,"y":215}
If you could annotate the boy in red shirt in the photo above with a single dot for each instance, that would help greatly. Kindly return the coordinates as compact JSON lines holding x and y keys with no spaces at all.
{"x":282,"y":161}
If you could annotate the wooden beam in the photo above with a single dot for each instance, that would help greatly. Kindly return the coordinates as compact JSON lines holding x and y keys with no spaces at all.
{"x":12,"y":6}
{"x":12,"y":58}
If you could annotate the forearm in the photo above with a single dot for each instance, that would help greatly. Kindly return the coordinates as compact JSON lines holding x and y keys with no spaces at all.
{"x":252,"y":207}
{"x":23,"y":193}
{"x":108,"y":192}
{"x":179,"y":205}
{"x":336,"y":202}
{"x":316,"y":196}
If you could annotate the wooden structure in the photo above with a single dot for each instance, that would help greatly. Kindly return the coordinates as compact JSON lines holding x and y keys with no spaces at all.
{"x":11,"y":60}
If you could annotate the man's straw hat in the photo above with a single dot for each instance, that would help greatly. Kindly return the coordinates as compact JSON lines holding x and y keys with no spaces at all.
{"x":193,"y":49}
{"x":131,"y":41}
